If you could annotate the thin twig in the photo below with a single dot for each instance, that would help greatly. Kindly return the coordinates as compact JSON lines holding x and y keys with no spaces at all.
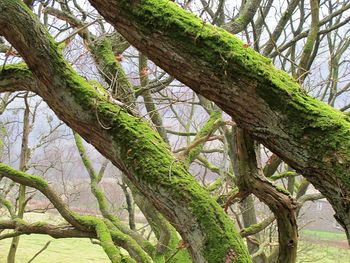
{"x":40,"y":251}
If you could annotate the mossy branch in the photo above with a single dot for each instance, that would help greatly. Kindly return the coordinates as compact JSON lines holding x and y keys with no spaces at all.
{"x":81,"y":223}
{"x":56,"y":231}
{"x":134,"y":243}
{"x":130,"y":143}
{"x":196,"y":146}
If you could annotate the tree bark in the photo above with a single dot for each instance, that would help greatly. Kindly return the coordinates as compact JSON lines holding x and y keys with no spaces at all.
{"x":126,"y":140}
{"x":250,"y":179}
{"x":310,"y":136}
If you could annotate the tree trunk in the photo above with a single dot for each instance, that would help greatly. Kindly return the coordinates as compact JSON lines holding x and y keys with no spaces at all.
{"x":250,"y":179}
{"x":168,"y":248}
{"x":128,"y":141}
{"x":310,"y":136}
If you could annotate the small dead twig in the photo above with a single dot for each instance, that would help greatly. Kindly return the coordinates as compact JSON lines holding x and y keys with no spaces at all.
{"x":40,"y":251}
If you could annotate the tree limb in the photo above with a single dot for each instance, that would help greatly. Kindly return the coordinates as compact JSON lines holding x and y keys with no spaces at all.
{"x":310,"y":136}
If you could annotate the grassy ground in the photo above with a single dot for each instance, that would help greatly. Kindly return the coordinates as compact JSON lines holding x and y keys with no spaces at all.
{"x":323,"y":235}
{"x":82,"y":251}
{"x":315,"y":246}
{"x":59,"y":250}
{"x":309,"y":252}
{"x":70,"y":250}
{"x":323,"y":247}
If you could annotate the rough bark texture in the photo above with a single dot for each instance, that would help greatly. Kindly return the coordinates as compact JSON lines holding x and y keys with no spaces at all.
{"x":168,"y":240}
{"x":127,"y":141}
{"x":250,"y":179}
{"x":309,"y":135}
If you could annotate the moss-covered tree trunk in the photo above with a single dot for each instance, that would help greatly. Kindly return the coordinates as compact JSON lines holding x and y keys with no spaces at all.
{"x":128,"y":141}
{"x":310,"y":136}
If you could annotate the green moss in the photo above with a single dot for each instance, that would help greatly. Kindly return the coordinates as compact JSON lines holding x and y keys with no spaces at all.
{"x":99,"y":87}
{"x":20,"y":221}
{"x":126,"y":259}
{"x":108,"y":233}
{"x":144,"y":154}
{"x":84,"y":157}
{"x":255,"y":228}
{"x":226,"y":233}
{"x":21,"y":177}
{"x":103,"y":234}
{"x":209,"y":127}
{"x":282,"y":190}
{"x":114,"y":221}
{"x":284,"y":174}
{"x":112,"y":71}
{"x":40,"y":224}
{"x":100,"y":197}
{"x":17,"y":70}
{"x":220,"y":49}
{"x":61,"y":46}
{"x":142,"y":151}
{"x":105,"y":238}
{"x":308,"y":120}
{"x":132,"y":245}
{"x":215,"y":185}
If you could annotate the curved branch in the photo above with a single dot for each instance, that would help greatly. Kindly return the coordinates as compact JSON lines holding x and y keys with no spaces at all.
{"x":40,"y":184}
{"x":256,"y":228}
{"x":310,"y":44}
{"x":304,"y":34}
{"x":104,"y":230}
{"x":129,"y":142}
{"x":310,"y":136}
{"x":55,"y":231}
{"x":250,"y":179}
{"x":17,"y":78}
{"x":245,"y":16}
{"x":134,"y":243}
{"x":271,"y":43}
{"x":195,"y":148}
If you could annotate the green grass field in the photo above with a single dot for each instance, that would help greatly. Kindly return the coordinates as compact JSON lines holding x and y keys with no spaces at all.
{"x":323,"y":247}
{"x":59,"y":251}
{"x":315,"y":246}
{"x":309,"y":252}
{"x":322,"y":235}
{"x":82,"y":250}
